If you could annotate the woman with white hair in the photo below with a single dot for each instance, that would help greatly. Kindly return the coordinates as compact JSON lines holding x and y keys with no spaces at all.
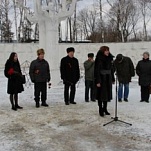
{"x":143,"y":70}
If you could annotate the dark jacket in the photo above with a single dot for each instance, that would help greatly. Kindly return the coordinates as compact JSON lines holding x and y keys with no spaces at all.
{"x":104,"y":74}
{"x":143,"y":70}
{"x":69,"y":69}
{"x":124,"y":70}
{"x":89,"y":70}
{"x":14,"y":85}
{"x":39,"y":71}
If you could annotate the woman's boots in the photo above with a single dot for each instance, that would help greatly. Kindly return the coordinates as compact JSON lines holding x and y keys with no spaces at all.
{"x":12,"y":102}
{"x":14,"y":106}
{"x":16,"y":102}
{"x":103,"y":110}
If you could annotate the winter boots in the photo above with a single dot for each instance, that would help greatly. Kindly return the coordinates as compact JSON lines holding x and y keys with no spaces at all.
{"x":16,"y":102}
{"x":14,"y":106}
{"x":103,"y":110}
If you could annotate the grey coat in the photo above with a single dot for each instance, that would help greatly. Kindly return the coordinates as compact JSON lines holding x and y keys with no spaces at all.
{"x":39,"y":71}
{"x":89,"y":70}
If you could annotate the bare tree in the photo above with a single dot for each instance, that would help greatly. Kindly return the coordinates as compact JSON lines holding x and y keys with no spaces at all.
{"x":88,"y":19}
{"x":122,"y":12}
{"x":144,"y":6}
{"x":6,"y":24}
{"x":15,"y":18}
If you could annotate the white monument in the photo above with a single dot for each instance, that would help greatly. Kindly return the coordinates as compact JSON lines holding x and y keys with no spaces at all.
{"x":48,"y":18}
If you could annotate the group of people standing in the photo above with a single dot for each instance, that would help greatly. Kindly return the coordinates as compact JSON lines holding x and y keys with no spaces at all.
{"x":99,"y":77}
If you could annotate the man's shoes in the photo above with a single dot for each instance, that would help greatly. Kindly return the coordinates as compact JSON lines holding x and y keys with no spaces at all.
{"x":120,"y":100}
{"x":18,"y":107}
{"x":141,"y":100}
{"x":37,"y":105}
{"x":147,"y":101}
{"x":86,"y":100}
{"x":44,"y":104}
{"x":93,"y":100}
{"x":126,"y":100}
{"x":66,"y":103}
{"x":14,"y":108}
{"x":73,"y":103}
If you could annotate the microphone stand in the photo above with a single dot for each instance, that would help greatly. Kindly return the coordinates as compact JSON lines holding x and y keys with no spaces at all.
{"x":116,"y":117}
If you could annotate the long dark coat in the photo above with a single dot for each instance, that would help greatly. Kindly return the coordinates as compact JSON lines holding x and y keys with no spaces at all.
{"x":104,"y":74}
{"x":143,"y":70}
{"x":14,"y":85}
{"x":69,"y":69}
{"x":124,"y":70}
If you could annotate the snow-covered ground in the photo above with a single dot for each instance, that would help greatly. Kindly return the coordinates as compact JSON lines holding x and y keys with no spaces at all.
{"x":75,"y":127}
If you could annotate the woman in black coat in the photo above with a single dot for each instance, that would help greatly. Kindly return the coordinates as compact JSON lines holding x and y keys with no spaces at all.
{"x":143,"y":70}
{"x":13,"y":73}
{"x":104,"y":77}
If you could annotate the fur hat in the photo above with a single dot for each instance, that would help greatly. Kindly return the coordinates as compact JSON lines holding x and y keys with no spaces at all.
{"x":70,"y":49}
{"x":40,"y":51}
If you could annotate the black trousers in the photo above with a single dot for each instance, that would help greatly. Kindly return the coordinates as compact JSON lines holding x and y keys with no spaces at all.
{"x":40,"y":89}
{"x":89,"y":85}
{"x":69,"y":96}
{"x":145,"y":93}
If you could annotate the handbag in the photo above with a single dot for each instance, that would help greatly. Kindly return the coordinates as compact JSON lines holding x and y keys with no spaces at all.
{"x":23,"y":79}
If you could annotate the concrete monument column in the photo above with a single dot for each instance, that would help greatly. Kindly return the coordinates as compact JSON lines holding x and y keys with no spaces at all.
{"x":48,"y":18}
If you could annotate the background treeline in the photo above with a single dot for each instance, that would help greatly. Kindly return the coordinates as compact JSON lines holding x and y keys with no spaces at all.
{"x":103,"y":21}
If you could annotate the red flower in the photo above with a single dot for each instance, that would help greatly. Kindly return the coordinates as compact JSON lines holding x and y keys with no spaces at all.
{"x":10,"y":71}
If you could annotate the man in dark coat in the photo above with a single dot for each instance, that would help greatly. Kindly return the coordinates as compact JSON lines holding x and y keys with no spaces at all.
{"x":143,"y":70}
{"x":104,"y":77}
{"x":89,"y":78}
{"x":40,"y":74}
{"x":125,"y":71}
{"x":70,"y":74}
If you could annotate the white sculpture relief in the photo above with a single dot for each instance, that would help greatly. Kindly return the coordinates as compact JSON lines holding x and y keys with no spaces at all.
{"x":48,"y":18}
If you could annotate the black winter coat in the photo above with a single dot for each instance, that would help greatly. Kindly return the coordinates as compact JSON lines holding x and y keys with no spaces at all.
{"x":39,"y":71}
{"x":14,"y":85}
{"x":69,"y":69}
{"x":143,"y":70}
{"x":125,"y":70}
{"x":104,"y":74}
